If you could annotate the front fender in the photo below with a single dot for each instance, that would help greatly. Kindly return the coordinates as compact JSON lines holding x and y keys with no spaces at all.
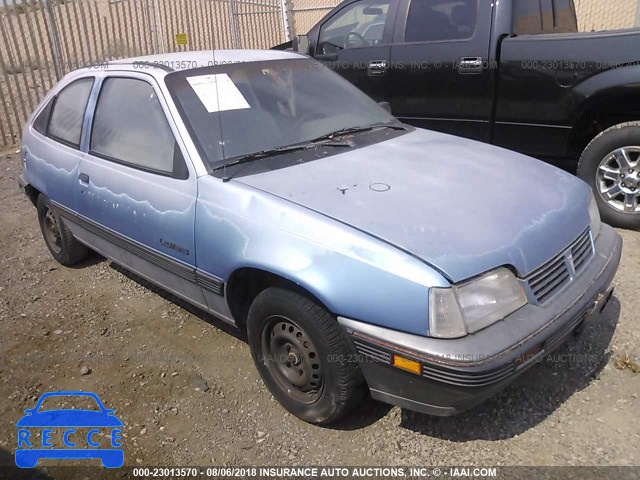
{"x":352,"y":274}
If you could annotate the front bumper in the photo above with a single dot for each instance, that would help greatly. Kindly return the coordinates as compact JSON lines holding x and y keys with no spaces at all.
{"x":22,"y":183}
{"x":458,"y":374}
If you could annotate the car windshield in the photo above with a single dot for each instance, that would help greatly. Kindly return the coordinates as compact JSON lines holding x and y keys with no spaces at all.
{"x":69,"y":402}
{"x":239,"y":109}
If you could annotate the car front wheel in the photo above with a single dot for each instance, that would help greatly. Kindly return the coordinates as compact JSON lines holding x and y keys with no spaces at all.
{"x":303,"y":356}
{"x":58,"y":238}
{"x":611,"y":166}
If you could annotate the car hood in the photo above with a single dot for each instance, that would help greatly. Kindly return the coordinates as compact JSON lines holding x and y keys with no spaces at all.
{"x":69,"y":418}
{"x":462,"y":206}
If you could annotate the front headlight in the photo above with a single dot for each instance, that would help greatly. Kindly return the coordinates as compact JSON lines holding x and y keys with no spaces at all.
{"x":594,"y":216}
{"x":445,"y":317}
{"x":474,"y":305}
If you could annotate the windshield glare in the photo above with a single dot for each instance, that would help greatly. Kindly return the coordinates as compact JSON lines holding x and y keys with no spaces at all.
{"x":239,"y":109}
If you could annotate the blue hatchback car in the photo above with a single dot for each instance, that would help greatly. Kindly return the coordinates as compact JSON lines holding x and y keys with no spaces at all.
{"x":356,"y":251}
{"x":68,"y":446}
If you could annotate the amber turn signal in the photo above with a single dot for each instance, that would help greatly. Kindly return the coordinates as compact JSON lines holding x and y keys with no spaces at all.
{"x":406,"y":364}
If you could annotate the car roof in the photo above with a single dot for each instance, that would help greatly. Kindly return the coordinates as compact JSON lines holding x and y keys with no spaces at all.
{"x":165,"y":63}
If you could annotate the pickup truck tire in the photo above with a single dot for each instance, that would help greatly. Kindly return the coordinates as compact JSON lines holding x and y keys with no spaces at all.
{"x":303,"y":356}
{"x":610,"y":165}
{"x":63,"y":246}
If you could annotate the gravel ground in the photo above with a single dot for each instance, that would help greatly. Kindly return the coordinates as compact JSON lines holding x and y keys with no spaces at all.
{"x":184,"y":385}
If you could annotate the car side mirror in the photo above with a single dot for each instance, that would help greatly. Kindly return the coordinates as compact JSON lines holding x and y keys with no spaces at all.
{"x":29,"y":410}
{"x":301,"y":44}
{"x":386,"y":106}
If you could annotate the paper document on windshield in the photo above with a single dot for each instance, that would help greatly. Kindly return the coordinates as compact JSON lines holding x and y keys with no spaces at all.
{"x":218,"y":93}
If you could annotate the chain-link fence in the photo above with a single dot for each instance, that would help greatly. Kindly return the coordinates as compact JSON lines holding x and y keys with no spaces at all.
{"x":304,"y":14}
{"x":596,"y":15}
{"x":41,"y":40}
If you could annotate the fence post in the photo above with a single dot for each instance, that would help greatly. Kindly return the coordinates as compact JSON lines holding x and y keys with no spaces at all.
{"x":53,"y":38}
{"x":159,"y":27}
{"x":12,"y":58}
{"x":153,"y":13}
{"x":233,"y":24}
{"x":285,"y":11}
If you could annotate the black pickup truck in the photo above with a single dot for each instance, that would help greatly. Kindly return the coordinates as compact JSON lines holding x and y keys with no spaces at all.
{"x":515,"y":73}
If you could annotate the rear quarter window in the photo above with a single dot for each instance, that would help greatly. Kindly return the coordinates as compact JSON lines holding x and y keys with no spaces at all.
{"x":67,"y":112}
{"x":41,"y":123}
{"x":564,"y":16}
{"x":531,"y":17}
{"x":527,"y":17}
{"x":436,"y":20}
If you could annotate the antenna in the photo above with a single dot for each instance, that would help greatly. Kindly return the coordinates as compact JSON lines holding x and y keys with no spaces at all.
{"x":213,"y":55}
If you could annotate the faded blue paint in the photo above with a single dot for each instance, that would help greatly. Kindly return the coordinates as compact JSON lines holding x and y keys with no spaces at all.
{"x":52,"y":168}
{"x":462,"y":206}
{"x":352,"y":273}
{"x":137,"y":204}
{"x":145,"y":207}
{"x":454,"y":209}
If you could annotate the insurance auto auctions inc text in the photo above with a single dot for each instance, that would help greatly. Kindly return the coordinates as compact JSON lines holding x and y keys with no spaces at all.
{"x":374,"y":472}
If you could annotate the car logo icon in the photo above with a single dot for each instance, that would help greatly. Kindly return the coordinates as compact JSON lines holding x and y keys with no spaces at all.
{"x":68,"y":442}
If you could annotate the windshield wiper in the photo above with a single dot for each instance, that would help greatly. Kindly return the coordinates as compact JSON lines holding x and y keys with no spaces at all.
{"x":273,"y":152}
{"x":365,"y":128}
{"x":316,"y":142}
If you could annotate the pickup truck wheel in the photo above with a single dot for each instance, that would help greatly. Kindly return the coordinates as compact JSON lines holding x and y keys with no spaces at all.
{"x":611,"y":166}
{"x":63,"y":246}
{"x":303,"y":356}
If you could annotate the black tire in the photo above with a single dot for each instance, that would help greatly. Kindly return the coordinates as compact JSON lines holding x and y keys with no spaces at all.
{"x":317,"y":345}
{"x":58,"y":238}
{"x":619,"y":136}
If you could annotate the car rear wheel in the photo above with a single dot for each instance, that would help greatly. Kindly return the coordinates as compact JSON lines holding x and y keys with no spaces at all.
{"x":611,"y":166}
{"x":303,"y":356}
{"x":58,"y":238}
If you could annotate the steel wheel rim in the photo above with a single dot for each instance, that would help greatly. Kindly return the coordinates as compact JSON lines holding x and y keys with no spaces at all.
{"x":618,"y":180}
{"x":51,"y":231}
{"x":292,"y":359}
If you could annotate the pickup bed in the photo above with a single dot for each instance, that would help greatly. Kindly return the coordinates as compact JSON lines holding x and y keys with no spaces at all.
{"x":515,"y":73}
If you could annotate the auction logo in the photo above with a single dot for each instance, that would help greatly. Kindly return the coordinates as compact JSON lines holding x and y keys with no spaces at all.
{"x":53,"y":434}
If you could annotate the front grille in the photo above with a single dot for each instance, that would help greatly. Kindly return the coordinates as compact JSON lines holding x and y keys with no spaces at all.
{"x":553,"y":276}
{"x":437,"y":373}
{"x":581,"y":251}
{"x":463,"y":379}
{"x":562,"y":269}
{"x":372,"y":352}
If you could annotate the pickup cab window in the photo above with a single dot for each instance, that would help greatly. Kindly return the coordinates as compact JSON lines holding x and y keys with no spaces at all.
{"x":434,"y":20}
{"x":360,"y":24}
{"x":527,"y":17}
{"x":564,"y":16}
{"x":67,"y":112}
{"x":533,"y":17}
{"x":130,"y":126}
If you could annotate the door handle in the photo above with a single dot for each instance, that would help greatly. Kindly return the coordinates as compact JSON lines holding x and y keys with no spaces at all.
{"x":84,"y":178}
{"x":470,"y":65}
{"x":377,"y":67}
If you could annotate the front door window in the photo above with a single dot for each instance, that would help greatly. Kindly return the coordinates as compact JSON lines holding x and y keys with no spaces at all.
{"x":360,"y":24}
